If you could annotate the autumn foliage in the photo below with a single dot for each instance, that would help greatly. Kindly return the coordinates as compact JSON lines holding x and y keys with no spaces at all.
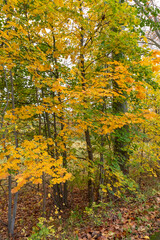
{"x":79,"y":99}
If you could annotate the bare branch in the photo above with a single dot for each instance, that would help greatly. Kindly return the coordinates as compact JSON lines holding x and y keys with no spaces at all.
{"x":154,"y":42}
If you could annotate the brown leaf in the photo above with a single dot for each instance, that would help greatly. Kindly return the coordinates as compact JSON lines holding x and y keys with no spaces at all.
{"x":89,"y":235}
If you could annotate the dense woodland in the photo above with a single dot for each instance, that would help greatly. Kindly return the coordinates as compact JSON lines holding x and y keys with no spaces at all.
{"x":79,"y":119}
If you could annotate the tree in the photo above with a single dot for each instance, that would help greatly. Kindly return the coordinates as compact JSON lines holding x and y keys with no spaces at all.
{"x":149,"y":14}
{"x":71,"y":71}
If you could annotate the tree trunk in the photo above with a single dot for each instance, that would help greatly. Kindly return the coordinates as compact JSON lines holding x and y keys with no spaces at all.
{"x":90,"y":157}
{"x":12,"y":216}
{"x":87,"y":134}
{"x":121,"y":135}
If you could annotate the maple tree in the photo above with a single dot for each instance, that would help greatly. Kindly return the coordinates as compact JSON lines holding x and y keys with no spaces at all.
{"x":73,"y":71}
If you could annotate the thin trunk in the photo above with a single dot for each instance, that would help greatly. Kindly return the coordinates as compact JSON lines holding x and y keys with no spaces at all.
{"x":64,"y":155}
{"x":48,"y":124}
{"x":9,"y":178}
{"x":11,"y":218}
{"x":90,"y":157}
{"x":43,"y":175}
{"x":45,"y":126}
{"x":11,"y":223}
{"x":5,"y":108}
{"x":101,"y":167}
{"x":101,"y":177}
{"x":9,"y":204}
{"x":55,"y":135}
{"x":57,"y":187}
{"x":14,"y":213}
{"x":39,"y":116}
{"x":44,"y":194}
{"x":13,"y":108}
{"x":87,"y":133}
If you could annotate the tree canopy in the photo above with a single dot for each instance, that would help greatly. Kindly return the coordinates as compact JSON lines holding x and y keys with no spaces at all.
{"x":79,"y":94}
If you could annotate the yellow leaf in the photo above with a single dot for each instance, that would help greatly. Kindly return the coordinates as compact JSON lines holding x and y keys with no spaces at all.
{"x":56,"y":212}
{"x":59,"y":3}
{"x":104,"y":190}
{"x":49,"y":195}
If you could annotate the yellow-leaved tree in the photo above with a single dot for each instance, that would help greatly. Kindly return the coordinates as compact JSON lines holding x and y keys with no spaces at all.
{"x":75,"y":93}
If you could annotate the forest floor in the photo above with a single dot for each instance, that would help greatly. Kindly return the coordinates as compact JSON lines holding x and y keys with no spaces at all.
{"x":136,"y":219}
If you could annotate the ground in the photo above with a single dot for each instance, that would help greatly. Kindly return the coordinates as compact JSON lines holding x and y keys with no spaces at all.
{"x":132,"y":219}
